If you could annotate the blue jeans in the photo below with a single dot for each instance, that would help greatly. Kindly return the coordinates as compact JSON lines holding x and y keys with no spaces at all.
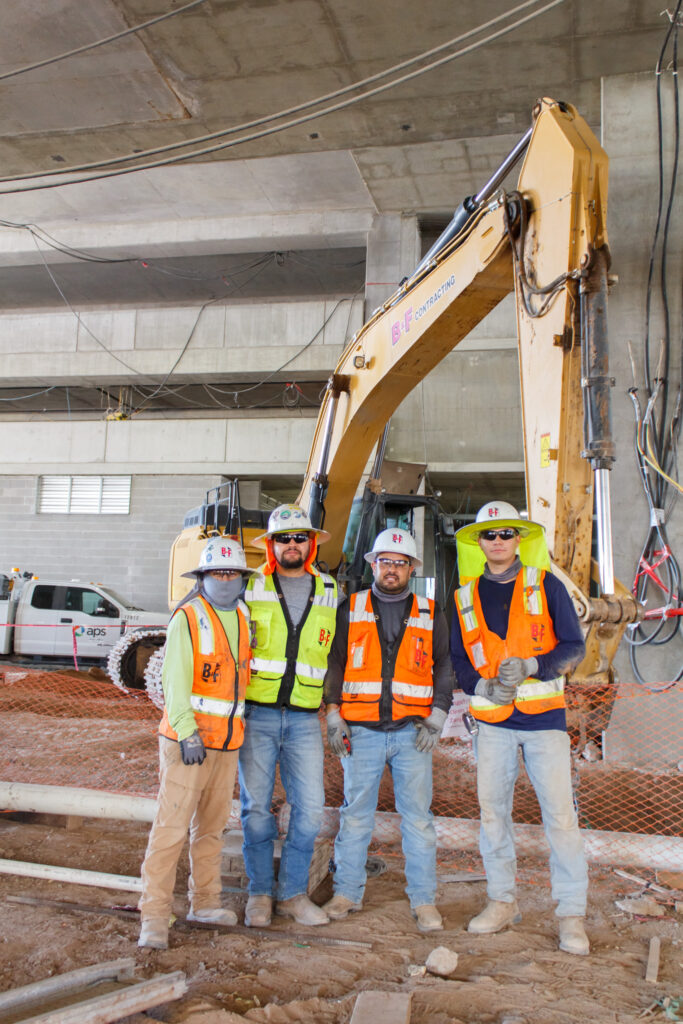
{"x":548,"y":764}
{"x":294,"y":739}
{"x":411,"y":771}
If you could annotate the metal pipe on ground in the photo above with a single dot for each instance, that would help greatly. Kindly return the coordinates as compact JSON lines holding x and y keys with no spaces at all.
{"x":79,"y":876}
{"x":635,"y":849}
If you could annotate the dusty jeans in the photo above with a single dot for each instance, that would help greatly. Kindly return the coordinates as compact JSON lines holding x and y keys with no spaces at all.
{"x":198,"y":797}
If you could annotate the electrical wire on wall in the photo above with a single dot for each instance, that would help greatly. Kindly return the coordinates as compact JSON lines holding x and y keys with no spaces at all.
{"x":657,"y":580}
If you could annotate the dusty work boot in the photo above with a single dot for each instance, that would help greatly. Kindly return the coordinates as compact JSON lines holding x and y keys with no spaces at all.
{"x":302,"y":910}
{"x":213,"y":915}
{"x":428,"y":918}
{"x":341,"y":906}
{"x":495,"y":916}
{"x":573,"y":938}
{"x":259,"y":911}
{"x":154,"y":933}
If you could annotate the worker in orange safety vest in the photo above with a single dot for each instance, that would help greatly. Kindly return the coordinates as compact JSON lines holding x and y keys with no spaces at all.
{"x":514,"y":635}
{"x":388,"y":689}
{"x":205,"y":676}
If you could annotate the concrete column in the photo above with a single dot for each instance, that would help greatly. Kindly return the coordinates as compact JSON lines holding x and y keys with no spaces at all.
{"x":630,"y":138}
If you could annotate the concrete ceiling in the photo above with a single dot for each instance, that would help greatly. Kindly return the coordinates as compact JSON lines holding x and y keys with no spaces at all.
{"x":418,"y":147}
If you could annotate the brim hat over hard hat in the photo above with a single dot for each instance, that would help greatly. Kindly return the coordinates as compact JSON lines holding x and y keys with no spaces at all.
{"x":289,"y":519}
{"x":395,"y":541}
{"x":499,"y":515}
{"x":221,"y":553}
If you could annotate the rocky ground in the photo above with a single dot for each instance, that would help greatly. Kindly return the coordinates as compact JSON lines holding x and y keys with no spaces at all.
{"x":293,"y":974}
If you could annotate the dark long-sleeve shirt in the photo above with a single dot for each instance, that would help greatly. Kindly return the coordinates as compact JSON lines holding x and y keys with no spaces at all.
{"x":391,"y":614}
{"x":495,"y":603}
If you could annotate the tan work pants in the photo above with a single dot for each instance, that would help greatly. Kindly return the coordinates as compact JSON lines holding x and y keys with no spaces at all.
{"x":194,"y":796}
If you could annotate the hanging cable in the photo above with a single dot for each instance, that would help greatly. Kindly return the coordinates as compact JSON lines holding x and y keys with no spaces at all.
{"x":100,"y":42}
{"x":658,"y":578}
{"x":294,"y":122}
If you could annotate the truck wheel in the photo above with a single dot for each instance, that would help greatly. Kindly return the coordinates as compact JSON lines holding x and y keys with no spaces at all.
{"x":129,"y":656}
{"x":153,"y":678}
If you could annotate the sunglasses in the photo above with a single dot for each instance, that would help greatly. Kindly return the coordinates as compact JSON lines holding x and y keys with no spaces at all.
{"x":501,"y":534}
{"x":287,"y":538}
{"x":387,"y":562}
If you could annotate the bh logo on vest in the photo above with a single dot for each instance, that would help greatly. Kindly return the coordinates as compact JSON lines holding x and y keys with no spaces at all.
{"x":324,"y":637}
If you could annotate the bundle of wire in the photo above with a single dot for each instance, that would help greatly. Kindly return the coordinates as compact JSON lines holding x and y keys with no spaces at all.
{"x":658,"y":576}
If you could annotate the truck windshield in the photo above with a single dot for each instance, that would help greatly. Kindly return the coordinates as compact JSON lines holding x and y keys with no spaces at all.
{"x":120,"y":600}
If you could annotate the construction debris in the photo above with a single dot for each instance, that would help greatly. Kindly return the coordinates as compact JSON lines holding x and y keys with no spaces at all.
{"x":442,"y":961}
{"x":382,"y":1008}
{"x":93,"y":995}
{"x":642,"y":906}
{"x":652,"y":969}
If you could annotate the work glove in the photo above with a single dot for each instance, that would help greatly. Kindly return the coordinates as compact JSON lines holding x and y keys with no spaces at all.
{"x":192,"y":750}
{"x":337,"y":734}
{"x":514,"y":671}
{"x":495,"y":690}
{"x":429,"y":729}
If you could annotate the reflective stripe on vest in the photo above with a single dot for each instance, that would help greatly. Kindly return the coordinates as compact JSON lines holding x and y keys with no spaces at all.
{"x":412,"y":683}
{"x":269,"y":655}
{"x":530,"y":632}
{"x":218,"y":683}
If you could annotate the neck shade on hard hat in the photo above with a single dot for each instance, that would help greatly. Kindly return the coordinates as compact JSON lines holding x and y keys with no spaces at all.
{"x":533,"y":547}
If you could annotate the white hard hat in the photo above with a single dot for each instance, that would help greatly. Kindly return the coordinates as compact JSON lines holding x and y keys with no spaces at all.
{"x":221,"y":553}
{"x":497,"y":514}
{"x":290,"y":519}
{"x":395,"y":541}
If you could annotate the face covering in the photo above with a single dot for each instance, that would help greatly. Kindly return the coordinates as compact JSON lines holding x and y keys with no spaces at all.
{"x":222,"y":594}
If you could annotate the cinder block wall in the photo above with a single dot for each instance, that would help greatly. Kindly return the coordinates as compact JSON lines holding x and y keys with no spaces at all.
{"x":126,"y":552}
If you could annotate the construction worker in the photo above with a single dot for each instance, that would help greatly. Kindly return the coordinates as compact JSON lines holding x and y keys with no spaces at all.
{"x":388,"y":689}
{"x":204,"y":677}
{"x":514,"y":636}
{"x":293,"y":608}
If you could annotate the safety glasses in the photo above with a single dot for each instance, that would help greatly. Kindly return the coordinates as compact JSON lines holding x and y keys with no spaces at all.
{"x":500,"y":534}
{"x":391,"y":562}
{"x":287,"y":538}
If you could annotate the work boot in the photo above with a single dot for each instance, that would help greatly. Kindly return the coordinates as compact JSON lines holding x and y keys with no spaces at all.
{"x":495,"y":916}
{"x":573,"y":938}
{"x":213,"y":915}
{"x":302,"y":910}
{"x":341,"y":906}
{"x":154,"y":933}
{"x":428,"y":918}
{"x":258,"y":911}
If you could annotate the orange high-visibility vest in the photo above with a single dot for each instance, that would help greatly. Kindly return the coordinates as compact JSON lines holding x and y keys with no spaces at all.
{"x":218,"y":684}
{"x":530,"y":633}
{"x":411,"y":684}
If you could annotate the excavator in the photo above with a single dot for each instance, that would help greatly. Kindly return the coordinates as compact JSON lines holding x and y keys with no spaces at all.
{"x":546,"y":240}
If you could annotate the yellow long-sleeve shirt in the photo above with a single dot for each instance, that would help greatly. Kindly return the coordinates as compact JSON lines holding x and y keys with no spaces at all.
{"x":176,"y":676}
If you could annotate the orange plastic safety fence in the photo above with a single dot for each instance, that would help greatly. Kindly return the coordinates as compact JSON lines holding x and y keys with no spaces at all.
{"x":77,"y":729}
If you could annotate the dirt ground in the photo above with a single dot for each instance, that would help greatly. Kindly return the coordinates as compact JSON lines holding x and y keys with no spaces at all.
{"x":289,"y":975}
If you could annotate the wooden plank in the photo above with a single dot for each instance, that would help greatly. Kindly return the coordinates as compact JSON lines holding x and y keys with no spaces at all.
{"x":382,"y":1008}
{"x":111,"y":970}
{"x":652,"y":969}
{"x":114,"y":1005}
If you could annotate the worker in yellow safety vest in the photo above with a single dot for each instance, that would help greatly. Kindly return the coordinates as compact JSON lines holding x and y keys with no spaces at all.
{"x":205,"y":677}
{"x":514,"y":635}
{"x":293,"y":607}
{"x":388,"y":688}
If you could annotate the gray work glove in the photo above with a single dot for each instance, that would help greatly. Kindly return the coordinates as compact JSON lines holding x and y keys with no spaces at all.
{"x":429,"y":729}
{"x":514,"y":671}
{"x":337,"y":732}
{"x":495,"y":690}
{"x":192,"y":750}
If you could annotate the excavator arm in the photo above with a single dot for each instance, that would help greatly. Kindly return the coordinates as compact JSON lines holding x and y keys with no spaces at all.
{"x":547,"y":241}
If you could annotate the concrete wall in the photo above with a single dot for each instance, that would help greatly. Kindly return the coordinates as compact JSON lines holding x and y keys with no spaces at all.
{"x":226,"y":340}
{"x":630,"y":138}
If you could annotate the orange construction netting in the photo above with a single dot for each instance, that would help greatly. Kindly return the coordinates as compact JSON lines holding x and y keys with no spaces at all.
{"x":67,"y":728}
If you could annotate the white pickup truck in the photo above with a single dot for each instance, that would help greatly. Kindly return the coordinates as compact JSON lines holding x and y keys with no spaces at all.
{"x":39,"y":617}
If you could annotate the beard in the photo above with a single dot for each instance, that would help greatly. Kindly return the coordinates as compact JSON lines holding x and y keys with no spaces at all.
{"x":391,"y":586}
{"x":291,"y":559}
